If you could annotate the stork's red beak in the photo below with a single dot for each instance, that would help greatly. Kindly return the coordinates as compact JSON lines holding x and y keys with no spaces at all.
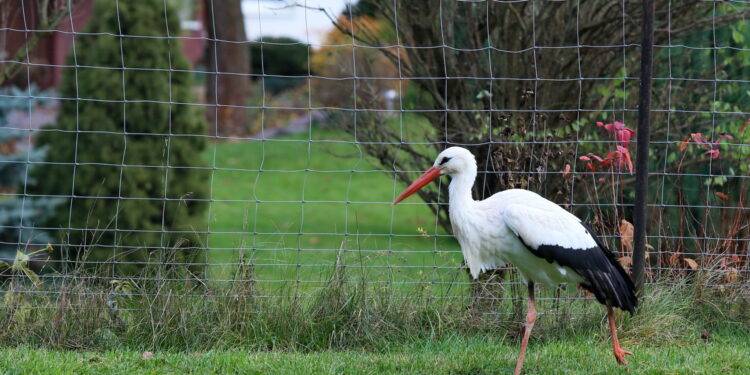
{"x":432,"y":174}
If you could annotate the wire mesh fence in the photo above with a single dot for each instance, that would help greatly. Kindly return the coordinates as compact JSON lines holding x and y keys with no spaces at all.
{"x":128,"y":160}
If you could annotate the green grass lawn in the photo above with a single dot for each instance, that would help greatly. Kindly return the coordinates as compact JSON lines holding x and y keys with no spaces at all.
{"x":724,"y":353}
{"x":300,"y":241}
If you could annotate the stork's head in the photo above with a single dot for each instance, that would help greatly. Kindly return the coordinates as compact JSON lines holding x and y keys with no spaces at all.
{"x":453,"y":161}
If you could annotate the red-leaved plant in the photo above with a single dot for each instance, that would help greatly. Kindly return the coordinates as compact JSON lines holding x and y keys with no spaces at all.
{"x":620,"y":157}
{"x":711,"y":145}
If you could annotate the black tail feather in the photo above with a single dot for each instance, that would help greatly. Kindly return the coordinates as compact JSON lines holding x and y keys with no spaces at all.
{"x":612,"y":286}
{"x":602,"y":273}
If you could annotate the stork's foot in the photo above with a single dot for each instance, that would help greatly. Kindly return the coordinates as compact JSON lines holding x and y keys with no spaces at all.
{"x":620,"y":355}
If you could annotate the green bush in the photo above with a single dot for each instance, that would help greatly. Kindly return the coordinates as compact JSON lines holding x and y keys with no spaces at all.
{"x":123,"y":130}
{"x":280,"y":56}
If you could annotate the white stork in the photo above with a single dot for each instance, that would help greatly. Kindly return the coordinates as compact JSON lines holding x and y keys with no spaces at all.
{"x":546,"y":243}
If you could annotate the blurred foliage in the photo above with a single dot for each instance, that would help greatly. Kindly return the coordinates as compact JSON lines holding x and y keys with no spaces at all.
{"x":350,"y":73}
{"x":19,"y":213}
{"x":125,"y":146}
{"x":279,"y":56}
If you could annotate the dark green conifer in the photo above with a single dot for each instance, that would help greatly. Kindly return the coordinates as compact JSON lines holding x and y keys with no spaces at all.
{"x":120,"y":129}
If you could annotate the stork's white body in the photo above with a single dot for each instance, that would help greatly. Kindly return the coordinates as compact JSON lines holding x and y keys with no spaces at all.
{"x":487,"y":232}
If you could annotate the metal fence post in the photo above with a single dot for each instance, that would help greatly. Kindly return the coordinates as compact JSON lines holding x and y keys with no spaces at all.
{"x":644,"y":123}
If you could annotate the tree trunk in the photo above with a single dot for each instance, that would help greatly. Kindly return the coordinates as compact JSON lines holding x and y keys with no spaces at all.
{"x":228,"y":65}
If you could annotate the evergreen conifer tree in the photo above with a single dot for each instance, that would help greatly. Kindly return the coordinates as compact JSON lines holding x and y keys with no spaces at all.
{"x":127,"y":142}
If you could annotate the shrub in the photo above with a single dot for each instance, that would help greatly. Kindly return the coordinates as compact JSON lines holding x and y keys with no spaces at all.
{"x":280,"y":56}
{"x":117,"y":138}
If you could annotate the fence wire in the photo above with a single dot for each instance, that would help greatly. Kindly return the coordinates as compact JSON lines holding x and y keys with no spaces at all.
{"x":298,"y":192}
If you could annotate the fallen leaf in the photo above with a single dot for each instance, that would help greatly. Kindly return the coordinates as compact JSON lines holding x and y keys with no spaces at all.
{"x":721,"y":195}
{"x":147,"y":355}
{"x":626,"y":236}
{"x":692,"y":263}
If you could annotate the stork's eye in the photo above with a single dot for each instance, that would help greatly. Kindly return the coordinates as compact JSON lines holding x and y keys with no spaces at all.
{"x":445,"y":160}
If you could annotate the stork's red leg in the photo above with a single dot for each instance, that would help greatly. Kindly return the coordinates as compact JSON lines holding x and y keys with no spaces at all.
{"x":619,"y":352}
{"x":530,"y":319}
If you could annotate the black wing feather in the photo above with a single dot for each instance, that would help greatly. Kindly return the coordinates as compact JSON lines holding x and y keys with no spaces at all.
{"x":602,"y":273}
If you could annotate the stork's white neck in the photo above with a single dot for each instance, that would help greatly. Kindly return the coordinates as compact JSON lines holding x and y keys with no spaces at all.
{"x":459,"y":190}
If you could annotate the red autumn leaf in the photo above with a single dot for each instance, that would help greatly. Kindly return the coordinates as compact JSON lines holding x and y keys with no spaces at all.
{"x":629,"y":162}
{"x":624,"y":135}
{"x":742,"y":129}
{"x":591,"y":167}
{"x":621,"y":159}
{"x":725,"y":136}
{"x":713,"y":153}
{"x":721,"y":195}
{"x":622,"y":156}
{"x":584,"y":158}
{"x":599,"y":159}
{"x":698,"y":138}
{"x":735,"y":258}
{"x":621,"y":132}
{"x":602,"y":180}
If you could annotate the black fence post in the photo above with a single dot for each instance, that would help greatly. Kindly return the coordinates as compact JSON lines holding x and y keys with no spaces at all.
{"x":644,"y":124}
